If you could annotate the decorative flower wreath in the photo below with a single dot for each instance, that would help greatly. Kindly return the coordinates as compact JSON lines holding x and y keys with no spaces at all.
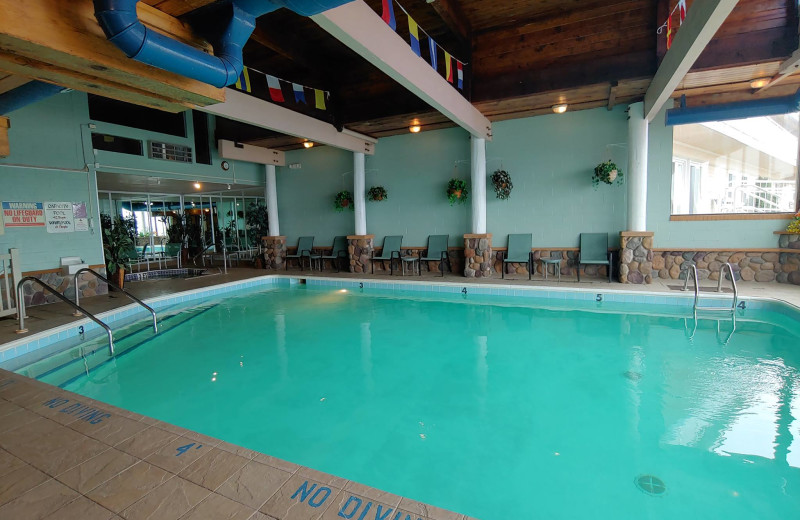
{"x":501,"y":181}
{"x":606,"y":172}
{"x":794,"y":225}
{"x":343,"y":200}
{"x":457,"y":191}
{"x":377,"y":193}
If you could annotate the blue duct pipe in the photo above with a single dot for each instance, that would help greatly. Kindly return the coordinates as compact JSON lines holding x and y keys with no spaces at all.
{"x":27,"y":94}
{"x":122,"y":27}
{"x":727,"y":111}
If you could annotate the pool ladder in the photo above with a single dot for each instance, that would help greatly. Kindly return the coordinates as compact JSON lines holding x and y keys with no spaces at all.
{"x":115,"y":286}
{"x":696,"y":307}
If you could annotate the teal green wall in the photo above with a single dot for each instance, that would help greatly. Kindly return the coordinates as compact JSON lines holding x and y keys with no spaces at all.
{"x":726,"y":234}
{"x":52,"y":160}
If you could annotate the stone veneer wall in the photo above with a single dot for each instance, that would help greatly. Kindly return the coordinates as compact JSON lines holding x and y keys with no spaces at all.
{"x":274,"y":252}
{"x":88,"y":285}
{"x":636,"y":257}
{"x":568,"y":264}
{"x":478,"y":255}
{"x":747,"y":265}
{"x":359,"y":250}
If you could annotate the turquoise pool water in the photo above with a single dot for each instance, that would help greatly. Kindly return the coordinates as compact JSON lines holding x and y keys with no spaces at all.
{"x":492,"y":408}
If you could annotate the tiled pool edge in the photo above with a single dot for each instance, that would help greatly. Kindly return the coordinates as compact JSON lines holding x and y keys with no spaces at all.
{"x":45,"y":338}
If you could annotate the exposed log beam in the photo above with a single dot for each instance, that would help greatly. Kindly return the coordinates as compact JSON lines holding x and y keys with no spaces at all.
{"x":5,"y":148}
{"x":11,"y":82}
{"x":787,"y":68}
{"x":356,"y":25}
{"x":253,"y":111}
{"x":612,"y":95}
{"x":178,"y":7}
{"x":702,"y":22}
{"x":455,"y":20}
{"x":66,"y":37}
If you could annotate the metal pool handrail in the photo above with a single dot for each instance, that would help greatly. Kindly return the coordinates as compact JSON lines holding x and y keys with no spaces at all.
{"x":115,"y":286}
{"x":21,"y":308}
{"x":733,"y":283}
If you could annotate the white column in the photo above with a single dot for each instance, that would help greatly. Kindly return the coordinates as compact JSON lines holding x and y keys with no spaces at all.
{"x":359,"y":192}
{"x":637,"y":168}
{"x":478,"y":185}
{"x":271,"y":197}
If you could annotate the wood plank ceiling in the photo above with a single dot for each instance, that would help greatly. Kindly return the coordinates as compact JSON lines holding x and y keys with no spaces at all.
{"x":524,"y":56}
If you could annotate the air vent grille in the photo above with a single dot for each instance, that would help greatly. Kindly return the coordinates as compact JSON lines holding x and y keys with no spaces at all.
{"x":170,"y":152}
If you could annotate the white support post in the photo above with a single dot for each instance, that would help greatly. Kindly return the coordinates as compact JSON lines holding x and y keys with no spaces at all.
{"x":359,"y":192}
{"x":637,"y":168}
{"x":478,"y":185}
{"x":271,"y":197}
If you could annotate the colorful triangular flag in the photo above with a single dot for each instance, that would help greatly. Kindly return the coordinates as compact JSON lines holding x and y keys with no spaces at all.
{"x":319,"y":98}
{"x":682,"y":10}
{"x":432,"y":46}
{"x":299,"y":93}
{"x":448,"y":67}
{"x":413,"y":32}
{"x":243,"y":82}
{"x":460,"y":75}
{"x":669,"y":32}
{"x":275,"y":91}
{"x":388,"y":14}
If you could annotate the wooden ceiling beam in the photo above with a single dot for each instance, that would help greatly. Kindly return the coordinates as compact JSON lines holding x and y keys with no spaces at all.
{"x":66,"y":37}
{"x":612,"y":95}
{"x":456,"y":21}
{"x":11,"y":82}
{"x":178,"y":7}
{"x":702,"y":22}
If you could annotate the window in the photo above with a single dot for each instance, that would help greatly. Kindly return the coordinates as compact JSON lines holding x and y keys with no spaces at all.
{"x":134,"y":116}
{"x":115,"y":143}
{"x":737,"y":166}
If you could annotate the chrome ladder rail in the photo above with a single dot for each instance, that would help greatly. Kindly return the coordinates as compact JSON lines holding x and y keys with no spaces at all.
{"x":735,"y":302}
{"x":115,"y":286}
{"x":21,"y":309}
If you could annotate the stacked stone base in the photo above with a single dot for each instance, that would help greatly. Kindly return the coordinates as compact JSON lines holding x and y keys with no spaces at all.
{"x":274,"y":252}
{"x":478,"y":256}
{"x":636,"y":257}
{"x":88,"y":285}
{"x":359,"y":252}
{"x":748,"y":266}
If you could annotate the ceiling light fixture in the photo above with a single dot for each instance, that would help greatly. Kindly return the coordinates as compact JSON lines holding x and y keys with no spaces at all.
{"x":760,"y":82}
{"x":414,"y":129}
{"x":560,"y":108}
{"x":197,"y":185}
{"x":308,"y":144}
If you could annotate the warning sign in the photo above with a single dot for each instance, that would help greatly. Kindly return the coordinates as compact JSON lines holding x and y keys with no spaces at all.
{"x":23,"y":214}
{"x":59,"y":217}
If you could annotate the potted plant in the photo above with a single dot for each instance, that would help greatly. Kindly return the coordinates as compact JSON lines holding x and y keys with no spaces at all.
{"x":794,"y":225}
{"x":501,"y":181}
{"x":457,"y":191}
{"x":377,"y":193}
{"x":257,"y":222}
{"x":117,"y":246}
{"x":606,"y":172}
{"x":343,"y":200}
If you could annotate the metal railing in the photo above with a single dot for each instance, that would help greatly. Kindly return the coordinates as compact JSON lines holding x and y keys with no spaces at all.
{"x":722,"y":268}
{"x":10,"y":269}
{"x":21,"y":309}
{"x":115,"y":286}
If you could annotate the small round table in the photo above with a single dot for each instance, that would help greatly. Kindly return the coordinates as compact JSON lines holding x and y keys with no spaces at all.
{"x":412,"y":262}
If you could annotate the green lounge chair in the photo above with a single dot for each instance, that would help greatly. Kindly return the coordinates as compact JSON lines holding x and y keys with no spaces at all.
{"x":594,"y":251}
{"x":519,"y":251}
{"x":390,"y":251}
{"x":304,"y":246}
{"x":437,"y":252}
{"x":338,"y":252}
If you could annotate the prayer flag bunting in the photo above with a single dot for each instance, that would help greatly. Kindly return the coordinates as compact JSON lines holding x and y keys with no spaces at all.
{"x":275,"y":89}
{"x":460,"y":75}
{"x":448,"y":67}
{"x":243,"y":83}
{"x":432,"y":45}
{"x":669,"y":32}
{"x":299,"y":93}
{"x":319,"y":98}
{"x":413,"y":31}
{"x":682,"y":10}
{"x":388,"y":14}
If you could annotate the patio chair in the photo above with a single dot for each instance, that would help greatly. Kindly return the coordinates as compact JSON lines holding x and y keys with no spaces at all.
{"x":594,"y":251}
{"x":172,"y":250}
{"x":437,"y":252}
{"x":304,"y":246}
{"x":519,"y":251}
{"x":390,"y":251}
{"x":338,"y":252}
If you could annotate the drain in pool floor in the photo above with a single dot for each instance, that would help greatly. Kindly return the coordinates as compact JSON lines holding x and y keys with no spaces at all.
{"x":651,"y":485}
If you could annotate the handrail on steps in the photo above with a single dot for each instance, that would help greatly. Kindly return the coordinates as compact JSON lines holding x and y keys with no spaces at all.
{"x":21,"y":308}
{"x":115,"y":286}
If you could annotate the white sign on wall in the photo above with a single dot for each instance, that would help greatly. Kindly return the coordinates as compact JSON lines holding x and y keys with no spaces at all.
{"x":59,"y":217}
{"x":81,"y":216}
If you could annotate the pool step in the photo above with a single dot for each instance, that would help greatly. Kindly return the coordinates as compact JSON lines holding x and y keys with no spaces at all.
{"x":59,"y":368}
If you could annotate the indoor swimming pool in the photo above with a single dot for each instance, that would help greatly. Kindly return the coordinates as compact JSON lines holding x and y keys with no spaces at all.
{"x":496,"y":407}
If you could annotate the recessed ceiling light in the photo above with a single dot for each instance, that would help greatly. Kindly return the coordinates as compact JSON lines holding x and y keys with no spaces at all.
{"x":560,"y":108}
{"x":760,"y":82}
{"x":308,"y":144}
{"x":197,"y":185}
{"x":414,"y":129}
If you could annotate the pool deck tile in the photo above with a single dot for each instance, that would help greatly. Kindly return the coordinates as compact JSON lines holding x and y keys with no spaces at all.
{"x":82,"y":509}
{"x":213,"y":469}
{"x":253,"y":484}
{"x":301,"y":498}
{"x":20,"y":481}
{"x":39,"y":502}
{"x":97,"y":470}
{"x":146,"y":442}
{"x":129,"y":486}
{"x":171,"y":499}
